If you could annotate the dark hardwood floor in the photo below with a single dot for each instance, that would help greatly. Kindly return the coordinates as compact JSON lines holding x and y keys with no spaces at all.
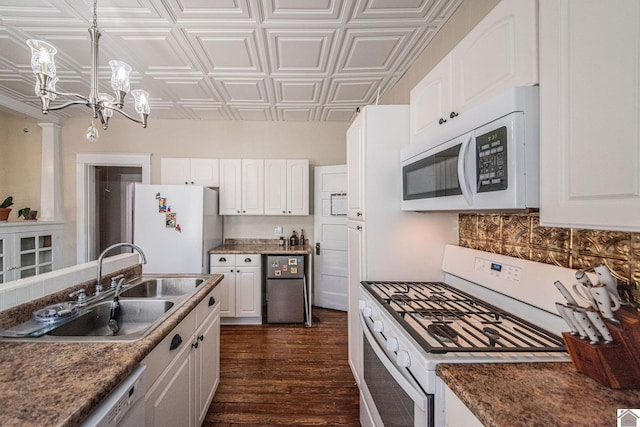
{"x":286,"y":375}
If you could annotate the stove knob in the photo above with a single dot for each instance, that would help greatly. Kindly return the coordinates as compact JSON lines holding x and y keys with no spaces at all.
{"x":378,"y":326}
{"x":366,"y":310}
{"x":403,"y":360}
{"x":392,"y":344}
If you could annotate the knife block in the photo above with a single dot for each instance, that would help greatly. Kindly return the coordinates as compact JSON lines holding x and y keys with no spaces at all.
{"x":614,"y":365}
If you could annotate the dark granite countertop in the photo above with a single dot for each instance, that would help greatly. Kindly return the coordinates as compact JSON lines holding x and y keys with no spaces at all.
{"x":535,"y":394}
{"x":60,"y":383}
{"x":260,"y":246}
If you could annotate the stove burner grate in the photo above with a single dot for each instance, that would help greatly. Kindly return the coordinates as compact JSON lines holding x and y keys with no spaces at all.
{"x":444,"y":319}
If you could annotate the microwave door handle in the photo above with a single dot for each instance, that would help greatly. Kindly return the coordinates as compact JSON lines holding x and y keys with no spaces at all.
{"x":463,"y":180}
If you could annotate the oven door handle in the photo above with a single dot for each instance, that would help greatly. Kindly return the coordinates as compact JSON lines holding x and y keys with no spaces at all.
{"x":411,"y":388}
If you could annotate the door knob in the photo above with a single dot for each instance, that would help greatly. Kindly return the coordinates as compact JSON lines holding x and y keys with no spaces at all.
{"x":317,"y":248}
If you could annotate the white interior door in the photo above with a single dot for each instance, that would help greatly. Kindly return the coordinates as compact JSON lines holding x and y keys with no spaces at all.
{"x":330,"y":224}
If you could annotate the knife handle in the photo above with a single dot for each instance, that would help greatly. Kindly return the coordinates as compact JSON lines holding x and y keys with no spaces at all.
{"x":567,"y":316}
{"x":597,"y":321}
{"x":582,"y":318}
{"x":565,"y":293}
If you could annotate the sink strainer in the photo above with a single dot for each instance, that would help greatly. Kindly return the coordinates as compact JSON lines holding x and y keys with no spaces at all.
{"x":56,"y":312}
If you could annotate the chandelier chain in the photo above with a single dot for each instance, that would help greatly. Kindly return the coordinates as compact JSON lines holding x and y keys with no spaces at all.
{"x":95,"y":13}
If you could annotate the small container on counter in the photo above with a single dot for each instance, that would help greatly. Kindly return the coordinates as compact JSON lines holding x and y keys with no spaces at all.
{"x":293,"y":240}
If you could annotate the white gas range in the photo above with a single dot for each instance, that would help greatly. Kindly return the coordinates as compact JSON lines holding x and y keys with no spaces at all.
{"x":488,"y":308}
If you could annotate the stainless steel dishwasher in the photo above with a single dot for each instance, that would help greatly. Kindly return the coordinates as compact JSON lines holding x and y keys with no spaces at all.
{"x":285,"y":289}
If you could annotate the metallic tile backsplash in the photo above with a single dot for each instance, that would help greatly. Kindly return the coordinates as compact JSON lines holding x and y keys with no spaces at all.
{"x":522,"y":236}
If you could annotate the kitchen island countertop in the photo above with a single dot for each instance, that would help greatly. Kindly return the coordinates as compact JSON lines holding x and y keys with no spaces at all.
{"x":60,"y":383}
{"x":259,"y":246}
{"x":535,"y":394}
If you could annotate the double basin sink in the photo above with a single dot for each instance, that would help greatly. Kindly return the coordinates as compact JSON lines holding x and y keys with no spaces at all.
{"x":144,"y":304}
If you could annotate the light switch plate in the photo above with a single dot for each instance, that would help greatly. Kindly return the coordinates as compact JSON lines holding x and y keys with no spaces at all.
{"x":277,"y":231}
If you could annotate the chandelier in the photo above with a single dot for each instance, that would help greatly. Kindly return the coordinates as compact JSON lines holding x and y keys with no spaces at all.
{"x":102,"y":105}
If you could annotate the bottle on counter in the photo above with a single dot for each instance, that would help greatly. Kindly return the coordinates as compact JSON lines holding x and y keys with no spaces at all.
{"x":301,"y":237}
{"x":281,"y":241}
{"x":293,"y":240}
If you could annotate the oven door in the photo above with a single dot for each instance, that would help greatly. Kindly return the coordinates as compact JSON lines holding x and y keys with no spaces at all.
{"x":393,"y":397}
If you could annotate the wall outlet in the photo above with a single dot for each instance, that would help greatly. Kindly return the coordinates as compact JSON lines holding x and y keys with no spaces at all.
{"x":277,"y":231}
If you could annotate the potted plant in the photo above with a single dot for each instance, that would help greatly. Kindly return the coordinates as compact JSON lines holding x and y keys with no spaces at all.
{"x":27,"y":213}
{"x":5,"y":209}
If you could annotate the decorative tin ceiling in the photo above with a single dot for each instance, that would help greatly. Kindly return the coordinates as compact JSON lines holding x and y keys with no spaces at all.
{"x":274,"y":60}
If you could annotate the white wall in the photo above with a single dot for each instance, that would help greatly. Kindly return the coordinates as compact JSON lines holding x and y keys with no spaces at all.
{"x":323,"y":143}
{"x":20,"y":162}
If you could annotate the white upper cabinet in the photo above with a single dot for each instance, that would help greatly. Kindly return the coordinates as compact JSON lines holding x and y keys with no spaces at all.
{"x":590,"y":114}
{"x":286,"y":187}
{"x":252,"y":187}
{"x":355,"y":166}
{"x":297,"y":187}
{"x":230,"y":187}
{"x":499,"y":53}
{"x":275,"y":187}
{"x":175,"y":170}
{"x":241,"y":187}
{"x":431,"y":101}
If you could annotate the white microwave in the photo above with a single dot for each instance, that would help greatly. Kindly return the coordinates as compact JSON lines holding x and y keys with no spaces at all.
{"x":486,"y":159}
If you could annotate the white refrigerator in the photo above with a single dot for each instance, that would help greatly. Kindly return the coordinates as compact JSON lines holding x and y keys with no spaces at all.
{"x":176,"y":226}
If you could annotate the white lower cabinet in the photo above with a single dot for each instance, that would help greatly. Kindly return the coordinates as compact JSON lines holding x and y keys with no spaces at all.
{"x":355,"y":274}
{"x":240,"y":291}
{"x":184,"y":369}
{"x":456,"y":413}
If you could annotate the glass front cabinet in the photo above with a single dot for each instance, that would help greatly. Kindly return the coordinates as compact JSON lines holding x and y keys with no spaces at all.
{"x":26,"y":251}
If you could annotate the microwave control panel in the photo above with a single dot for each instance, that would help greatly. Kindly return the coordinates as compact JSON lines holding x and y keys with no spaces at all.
{"x":491,"y":151}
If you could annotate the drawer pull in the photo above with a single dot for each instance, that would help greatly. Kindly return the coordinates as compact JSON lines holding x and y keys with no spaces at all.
{"x":247,"y":260}
{"x":200,"y":337}
{"x":195,"y":344}
{"x":212,"y":301}
{"x":175,"y":342}
{"x":223,"y":259}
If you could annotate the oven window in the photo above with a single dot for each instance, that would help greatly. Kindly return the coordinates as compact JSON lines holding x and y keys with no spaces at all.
{"x":394,"y":406}
{"x":433,"y":176}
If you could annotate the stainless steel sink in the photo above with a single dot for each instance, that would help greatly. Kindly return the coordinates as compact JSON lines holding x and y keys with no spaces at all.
{"x":136,"y":317}
{"x":162,"y":287}
{"x":144,"y":304}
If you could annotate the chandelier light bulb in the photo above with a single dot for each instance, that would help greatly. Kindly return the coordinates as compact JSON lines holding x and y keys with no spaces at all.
{"x":141,"y":98}
{"x":42,"y":57}
{"x":120,"y":76}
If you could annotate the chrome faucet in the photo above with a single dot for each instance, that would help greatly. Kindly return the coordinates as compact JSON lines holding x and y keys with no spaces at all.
{"x":102,"y":255}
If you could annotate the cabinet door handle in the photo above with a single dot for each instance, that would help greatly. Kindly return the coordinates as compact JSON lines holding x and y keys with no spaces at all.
{"x":244,"y":211}
{"x":175,"y":342}
{"x":195,"y":344}
{"x":186,"y":182}
{"x":441,"y":121}
{"x":284,"y":211}
{"x":200,"y":337}
{"x":212,"y":301}
{"x":453,"y":114}
{"x":231,"y":270}
{"x":238,"y":211}
{"x":358,"y":228}
{"x":237,"y":271}
{"x":359,"y":214}
{"x":247,"y":260}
